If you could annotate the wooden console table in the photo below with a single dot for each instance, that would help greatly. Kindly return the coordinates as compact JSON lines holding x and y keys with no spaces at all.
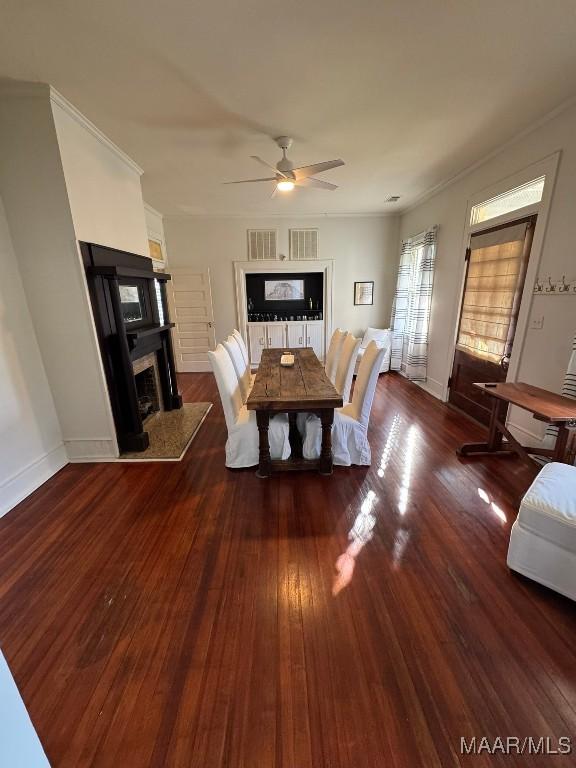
{"x":544,"y":406}
{"x":302,"y":387}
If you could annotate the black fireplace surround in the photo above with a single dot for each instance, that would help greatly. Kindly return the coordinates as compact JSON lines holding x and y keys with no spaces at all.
{"x":132,"y":321}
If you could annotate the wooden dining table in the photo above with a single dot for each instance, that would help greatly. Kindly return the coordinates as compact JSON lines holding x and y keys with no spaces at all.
{"x":545,"y":406}
{"x":303,"y":387}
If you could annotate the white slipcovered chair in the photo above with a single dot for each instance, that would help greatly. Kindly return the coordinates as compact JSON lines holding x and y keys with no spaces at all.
{"x":350,"y":429}
{"x":242,"y":344}
{"x":382,"y":337}
{"x":543,"y":537}
{"x":345,"y":367}
{"x":242,"y":443}
{"x":240,"y":366}
{"x":333,"y":353}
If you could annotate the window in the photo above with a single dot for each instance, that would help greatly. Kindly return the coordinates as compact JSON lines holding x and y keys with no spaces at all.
{"x":512,"y":200}
{"x":497,"y":264}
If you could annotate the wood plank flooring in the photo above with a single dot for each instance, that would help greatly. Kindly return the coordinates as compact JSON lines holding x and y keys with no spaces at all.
{"x":186,"y":615}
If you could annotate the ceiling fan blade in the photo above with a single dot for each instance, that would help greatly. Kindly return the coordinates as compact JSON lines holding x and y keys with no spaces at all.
{"x":315,"y":183}
{"x":250,"y":181}
{"x":309,"y":170}
{"x":263,"y":162}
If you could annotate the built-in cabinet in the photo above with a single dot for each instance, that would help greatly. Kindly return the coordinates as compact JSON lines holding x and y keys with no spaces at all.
{"x":285,"y":334}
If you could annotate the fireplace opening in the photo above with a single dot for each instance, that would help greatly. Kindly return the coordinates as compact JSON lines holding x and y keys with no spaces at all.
{"x":147,"y":392}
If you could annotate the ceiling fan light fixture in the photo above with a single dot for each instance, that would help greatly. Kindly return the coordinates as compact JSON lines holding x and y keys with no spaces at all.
{"x":285,"y":185}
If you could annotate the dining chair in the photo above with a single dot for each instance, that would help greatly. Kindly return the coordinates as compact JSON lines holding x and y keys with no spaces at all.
{"x":243,"y":443}
{"x":345,"y":367}
{"x":350,"y":429}
{"x":240,"y":366}
{"x":242,"y":344}
{"x":333,"y":353}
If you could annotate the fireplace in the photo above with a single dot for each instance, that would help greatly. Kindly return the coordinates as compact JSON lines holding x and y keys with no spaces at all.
{"x":131,"y":316}
{"x":148,"y":390}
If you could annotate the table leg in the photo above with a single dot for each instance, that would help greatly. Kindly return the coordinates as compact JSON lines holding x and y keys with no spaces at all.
{"x":327,"y":419}
{"x":499,"y":414}
{"x":493,"y":444}
{"x":265,"y":464}
{"x":561,"y":442}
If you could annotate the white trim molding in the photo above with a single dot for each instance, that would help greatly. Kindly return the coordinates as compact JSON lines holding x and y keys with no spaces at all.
{"x":63,"y":103}
{"x":17,"y":487}
{"x":91,"y":449}
{"x":547,"y":167}
{"x":21,"y":89}
{"x":326,"y":266}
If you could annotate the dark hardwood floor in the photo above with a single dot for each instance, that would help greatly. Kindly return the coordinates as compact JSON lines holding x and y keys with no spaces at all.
{"x":185,"y":615}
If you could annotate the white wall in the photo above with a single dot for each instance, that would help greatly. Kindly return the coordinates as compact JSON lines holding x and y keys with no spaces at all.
{"x":103,"y":184}
{"x":363,"y":248}
{"x":37,"y":207}
{"x":545,"y":352}
{"x":31,"y":447}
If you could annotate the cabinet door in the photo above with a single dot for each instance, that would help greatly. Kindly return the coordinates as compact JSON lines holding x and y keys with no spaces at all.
{"x":257,"y":340}
{"x":275,"y":335}
{"x":296,"y":336}
{"x":315,"y":338}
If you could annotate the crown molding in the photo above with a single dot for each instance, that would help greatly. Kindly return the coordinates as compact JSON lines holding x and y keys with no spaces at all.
{"x":541,"y":121}
{"x":22,"y":89}
{"x":253,"y":215}
{"x":152,"y":210}
{"x":70,"y":109}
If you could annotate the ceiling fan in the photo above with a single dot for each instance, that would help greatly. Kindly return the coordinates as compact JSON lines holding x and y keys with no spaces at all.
{"x":287,"y":177}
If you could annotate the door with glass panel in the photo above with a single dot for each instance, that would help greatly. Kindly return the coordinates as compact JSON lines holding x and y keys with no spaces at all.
{"x":496,"y":263}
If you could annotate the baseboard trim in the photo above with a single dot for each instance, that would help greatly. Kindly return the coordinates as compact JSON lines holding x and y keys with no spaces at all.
{"x":533,"y":440}
{"x":16,"y":488}
{"x":200,"y":367}
{"x":433,"y":387}
{"x":87,"y":450}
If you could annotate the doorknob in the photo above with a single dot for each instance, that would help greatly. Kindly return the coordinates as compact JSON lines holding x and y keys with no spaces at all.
{"x":504,"y":362}
{"x":209,"y":324}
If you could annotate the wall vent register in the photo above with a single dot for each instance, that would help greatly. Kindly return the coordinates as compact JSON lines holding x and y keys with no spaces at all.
{"x":303,"y":244}
{"x":261,"y":244}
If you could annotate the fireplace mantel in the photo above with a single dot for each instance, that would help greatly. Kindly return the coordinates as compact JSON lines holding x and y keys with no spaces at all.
{"x":125,"y":338}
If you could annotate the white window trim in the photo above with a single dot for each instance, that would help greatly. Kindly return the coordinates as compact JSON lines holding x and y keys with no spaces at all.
{"x":548,"y":167}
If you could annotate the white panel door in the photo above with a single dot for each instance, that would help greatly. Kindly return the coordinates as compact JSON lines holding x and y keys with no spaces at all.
{"x":315,"y":338}
{"x":191,"y":310}
{"x":296,"y":336}
{"x":276,"y":335}
{"x":257,"y":342}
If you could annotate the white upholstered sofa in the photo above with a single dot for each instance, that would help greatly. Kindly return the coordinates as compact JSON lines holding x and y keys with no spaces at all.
{"x":383,"y":338}
{"x":543,"y":539}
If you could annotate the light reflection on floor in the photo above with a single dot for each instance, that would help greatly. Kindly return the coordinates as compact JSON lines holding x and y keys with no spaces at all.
{"x":492,"y":505}
{"x":359,"y":535}
{"x":404,"y":493}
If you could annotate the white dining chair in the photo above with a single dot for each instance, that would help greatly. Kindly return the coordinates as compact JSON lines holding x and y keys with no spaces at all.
{"x":240,"y":366}
{"x":333,"y":353}
{"x":345,"y":367}
{"x":350,"y":429}
{"x":242,"y":344}
{"x":242,"y":443}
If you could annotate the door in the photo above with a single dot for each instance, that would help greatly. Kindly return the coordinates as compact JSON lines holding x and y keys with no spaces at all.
{"x":191,"y":310}
{"x":275,"y":335}
{"x":296,"y":336}
{"x":257,"y":342}
{"x":495,"y":273}
{"x":315,"y":338}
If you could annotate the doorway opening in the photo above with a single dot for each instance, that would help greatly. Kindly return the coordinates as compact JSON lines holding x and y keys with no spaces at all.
{"x":496,"y":263}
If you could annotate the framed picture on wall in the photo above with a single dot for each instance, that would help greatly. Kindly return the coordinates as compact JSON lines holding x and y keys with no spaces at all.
{"x":364,"y":292}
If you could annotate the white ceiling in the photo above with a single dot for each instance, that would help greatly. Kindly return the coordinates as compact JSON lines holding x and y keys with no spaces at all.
{"x":407,"y":92}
